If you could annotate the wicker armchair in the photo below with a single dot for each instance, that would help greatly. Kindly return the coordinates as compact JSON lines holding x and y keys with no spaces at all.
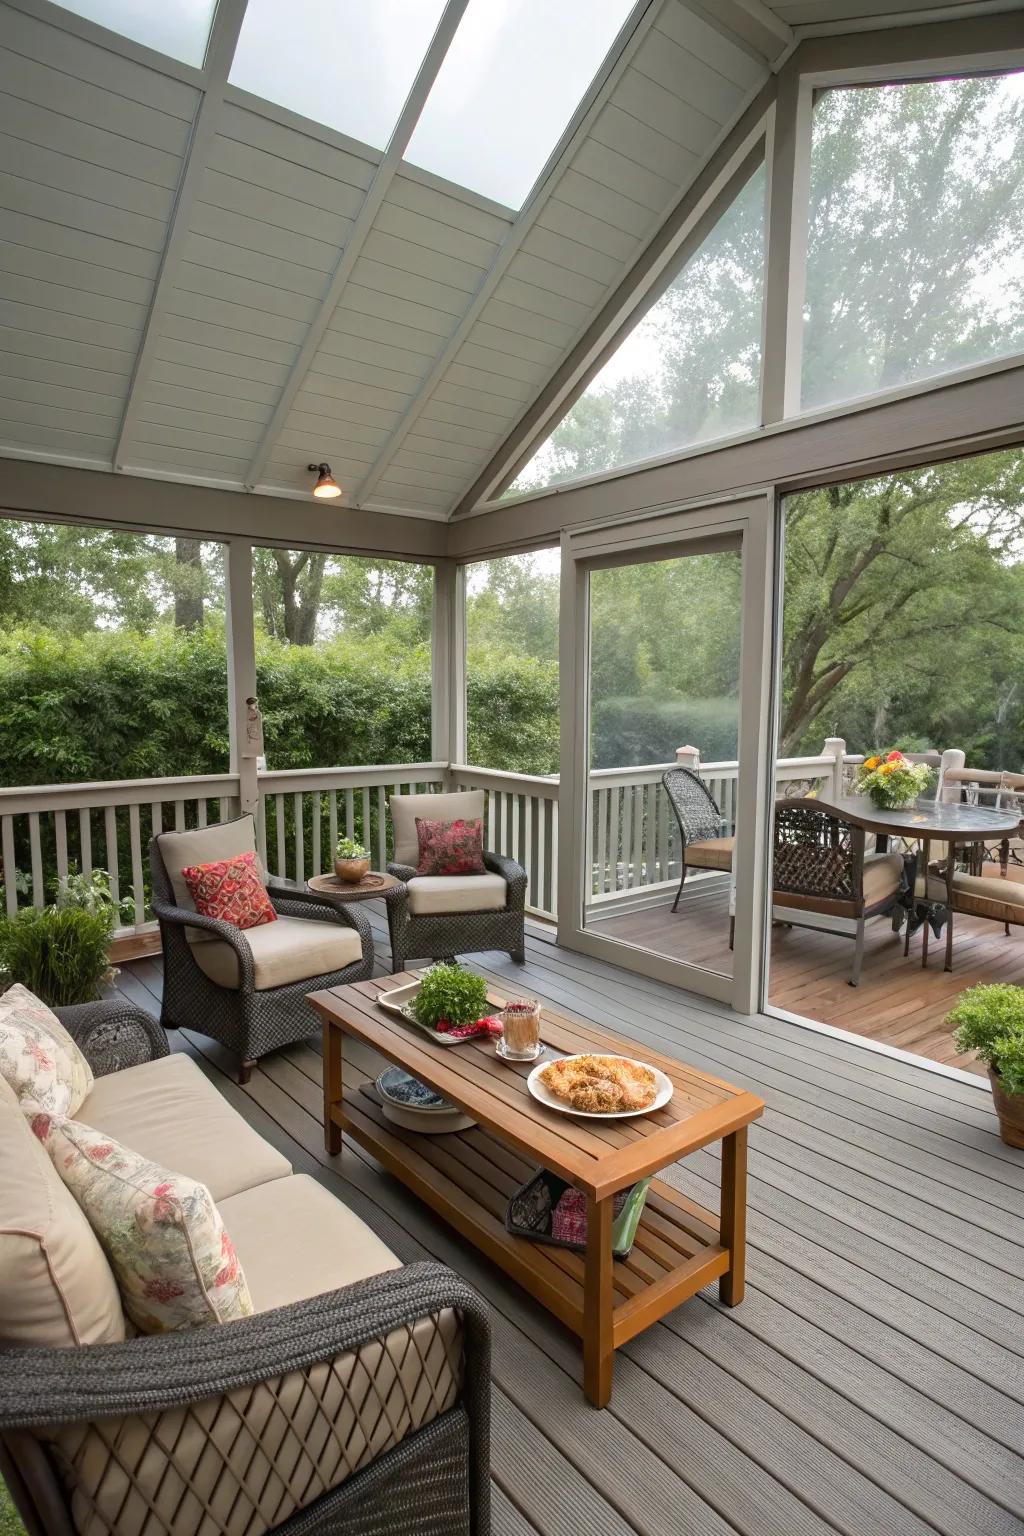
{"x":822,"y":878}
{"x":365,"y":1409}
{"x":494,"y":916}
{"x":248,"y":1017}
{"x":703,"y":843}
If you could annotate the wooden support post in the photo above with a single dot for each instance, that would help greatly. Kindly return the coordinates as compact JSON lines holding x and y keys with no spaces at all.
{"x":332,"y":1087}
{"x":734,"y":1216}
{"x":241,"y":667}
{"x":598,"y":1353}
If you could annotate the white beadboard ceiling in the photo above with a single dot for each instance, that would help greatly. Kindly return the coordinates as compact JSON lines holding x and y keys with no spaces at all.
{"x":197,"y":285}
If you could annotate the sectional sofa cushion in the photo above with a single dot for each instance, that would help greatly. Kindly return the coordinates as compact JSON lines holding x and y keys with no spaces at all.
{"x":56,"y":1287}
{"x":38,"y":1058}
{"x":169,"y":1112}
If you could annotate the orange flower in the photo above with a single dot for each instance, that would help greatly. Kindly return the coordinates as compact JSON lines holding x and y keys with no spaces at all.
{"x":888,"y":767}
{"x":872,"y":762}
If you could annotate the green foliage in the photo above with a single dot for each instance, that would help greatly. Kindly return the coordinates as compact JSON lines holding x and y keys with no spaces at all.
{"x":990,"y":1021}
{"x":632,"y":732}
{"x":348,"y":848}
{"x":10,"y":1522}
{"x":93,"y":894}
{"x":449,"y":992}
{"x":59,"y":953}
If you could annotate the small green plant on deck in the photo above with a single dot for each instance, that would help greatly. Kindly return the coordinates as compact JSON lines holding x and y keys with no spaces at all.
{"x":93,"y":894}
{"x":59,"y":953}
{"x":449,"y":992}
{"x":990,"y":1021}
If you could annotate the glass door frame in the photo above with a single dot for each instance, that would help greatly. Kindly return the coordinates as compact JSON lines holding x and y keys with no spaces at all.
{"x":658,"y":533}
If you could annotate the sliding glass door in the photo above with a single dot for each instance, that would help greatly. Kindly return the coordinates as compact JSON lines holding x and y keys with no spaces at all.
{"x":663,"y":723}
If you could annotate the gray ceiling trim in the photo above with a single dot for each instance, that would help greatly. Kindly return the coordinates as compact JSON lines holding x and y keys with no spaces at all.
{"x":227,"y":24}
{"x":376,"y":193}
{"x":631,"y":35}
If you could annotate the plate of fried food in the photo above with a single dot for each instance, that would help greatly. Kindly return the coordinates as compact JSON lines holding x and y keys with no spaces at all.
{"x":600,"y":1087}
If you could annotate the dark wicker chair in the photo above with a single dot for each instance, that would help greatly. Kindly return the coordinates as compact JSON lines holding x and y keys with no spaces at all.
{"x":703,"y":842}
{"x":247,"y":1020}
{"x":441,"y":935}
{"x":288,"y":1382}
{"x":820,"y":871}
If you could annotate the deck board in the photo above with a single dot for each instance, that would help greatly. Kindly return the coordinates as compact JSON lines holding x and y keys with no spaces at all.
{"x":871,"y":1381}
{"x":898,"y":1002}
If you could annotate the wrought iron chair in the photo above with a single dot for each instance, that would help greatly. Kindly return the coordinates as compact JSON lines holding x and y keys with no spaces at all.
{"x":822,"y":878}
{"x":704,"y":844}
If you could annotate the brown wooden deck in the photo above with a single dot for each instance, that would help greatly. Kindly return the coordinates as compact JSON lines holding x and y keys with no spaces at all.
{"x":871,"y":1382}
{"x":897,"y":1002}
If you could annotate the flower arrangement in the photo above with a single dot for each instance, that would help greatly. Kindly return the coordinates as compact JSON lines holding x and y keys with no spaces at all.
{"x":892,"y":781}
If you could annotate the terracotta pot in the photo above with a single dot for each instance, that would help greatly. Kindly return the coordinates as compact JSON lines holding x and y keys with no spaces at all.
{"x":1010,"y":1109}
{"x":352,"y":870}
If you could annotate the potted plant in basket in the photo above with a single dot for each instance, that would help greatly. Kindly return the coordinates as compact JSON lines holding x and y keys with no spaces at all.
{"x":990,"y":1021}
{"x":891,"y":781}
{"x":351,"y":861}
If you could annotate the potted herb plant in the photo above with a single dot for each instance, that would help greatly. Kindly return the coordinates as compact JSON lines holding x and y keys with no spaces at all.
{"x":990,"y":1021}
{"x":351,"y":861}
{"x":60,"y":952}
{"x":891,"y":781}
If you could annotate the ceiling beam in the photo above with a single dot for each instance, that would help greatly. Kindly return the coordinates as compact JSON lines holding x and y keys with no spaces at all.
{"x":635,"y":29}
{"x":227,"y":24}
{"x":375,"y":195}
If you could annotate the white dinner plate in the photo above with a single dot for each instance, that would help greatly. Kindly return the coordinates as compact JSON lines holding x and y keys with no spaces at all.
{"x":543,"y":1095}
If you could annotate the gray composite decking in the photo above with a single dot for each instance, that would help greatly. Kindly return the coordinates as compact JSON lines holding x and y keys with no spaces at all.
{"x":872,"y":1381}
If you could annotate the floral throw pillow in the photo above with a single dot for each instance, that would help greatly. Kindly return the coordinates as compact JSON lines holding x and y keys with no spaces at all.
{"x":450,"y":847}
{"x":174,"y":1263}
{"x":232,"y":890}
{"x":38,"y":1057}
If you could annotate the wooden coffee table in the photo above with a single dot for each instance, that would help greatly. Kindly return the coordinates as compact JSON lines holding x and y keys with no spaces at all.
{"x":468,"y":1177}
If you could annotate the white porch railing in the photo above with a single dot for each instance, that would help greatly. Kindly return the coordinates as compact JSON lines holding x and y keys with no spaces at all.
{"x":49,"y":829}
{"x":520,"y":821}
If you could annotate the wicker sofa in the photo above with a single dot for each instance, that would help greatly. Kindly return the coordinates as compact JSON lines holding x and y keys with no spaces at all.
{"x":355,"y":1399}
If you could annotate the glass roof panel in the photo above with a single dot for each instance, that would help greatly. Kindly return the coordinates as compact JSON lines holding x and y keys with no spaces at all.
{"x":342,"y":63}
{"x":510,"y":82}
{"x":180,"y":28}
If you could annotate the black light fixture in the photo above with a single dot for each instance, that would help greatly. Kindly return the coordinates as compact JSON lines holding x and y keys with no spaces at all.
{"x":326,"y":485}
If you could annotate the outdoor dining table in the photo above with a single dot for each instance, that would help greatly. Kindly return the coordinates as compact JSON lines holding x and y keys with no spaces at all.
{"x":926,"y":821}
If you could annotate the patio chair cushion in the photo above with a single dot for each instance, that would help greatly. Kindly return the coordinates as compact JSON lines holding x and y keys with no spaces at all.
{"x":989,"y":896}
{"x":883,"y":876}
{"x":163,"y":1234}
{"x":204,"y":845}
{"x":169,"y":1112}
{"x":464,"y":805}
{"x":56,"y":1286}
{"x":38,"y":1058}
{"x":319,"y":1244}
{"x":292,"y":949}
{"x":436,"y":894}
{"x":711,"y":853}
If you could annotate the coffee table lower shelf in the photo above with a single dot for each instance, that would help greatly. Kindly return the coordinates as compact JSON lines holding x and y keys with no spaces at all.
{"x":468,"y":1178}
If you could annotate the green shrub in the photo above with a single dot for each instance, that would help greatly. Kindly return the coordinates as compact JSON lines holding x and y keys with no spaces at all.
{"x":628,"y":732}
{"x":449,"y":992}
{"x":990,"y":1021}
{"x":59,"y":953}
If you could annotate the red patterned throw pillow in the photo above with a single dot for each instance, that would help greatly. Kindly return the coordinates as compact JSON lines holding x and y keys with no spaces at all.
{"x":450,"y":847}
{"x":232,"y":890}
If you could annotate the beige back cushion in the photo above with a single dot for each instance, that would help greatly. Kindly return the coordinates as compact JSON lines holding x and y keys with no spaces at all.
{"x":204,"y":846}
{"x":56,"y":1287}
{"x":464,"y":804}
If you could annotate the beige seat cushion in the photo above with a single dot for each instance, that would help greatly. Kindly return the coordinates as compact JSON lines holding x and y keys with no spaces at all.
{"x":883,"y":874}
{"x":204,"y":845}
{"x":318,"y":1243}
{"x":457,"y":893}
{"x":464,"y":805}
{"x":56,"y":1287}
{"x":292,"y":949}
{"x":168,"y":1112}
{"x":711,"y":853}
{"x":989,"y":896}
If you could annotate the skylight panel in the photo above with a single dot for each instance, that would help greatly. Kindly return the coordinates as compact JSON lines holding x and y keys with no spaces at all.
{"x":344,"y":63}
{"x":180,"y":28}
{"x":511,"y":80}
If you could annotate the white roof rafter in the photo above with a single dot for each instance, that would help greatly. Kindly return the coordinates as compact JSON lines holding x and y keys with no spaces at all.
{"x":376,"y":193}
{"x":227,"y":24}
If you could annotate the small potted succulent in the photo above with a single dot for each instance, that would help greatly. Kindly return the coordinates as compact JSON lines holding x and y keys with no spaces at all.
{"x":351,"y":861}
{"x":990,"y":1021}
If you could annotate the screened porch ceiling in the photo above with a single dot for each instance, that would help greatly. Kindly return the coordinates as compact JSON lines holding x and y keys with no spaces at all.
{"x":198,"y":283}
